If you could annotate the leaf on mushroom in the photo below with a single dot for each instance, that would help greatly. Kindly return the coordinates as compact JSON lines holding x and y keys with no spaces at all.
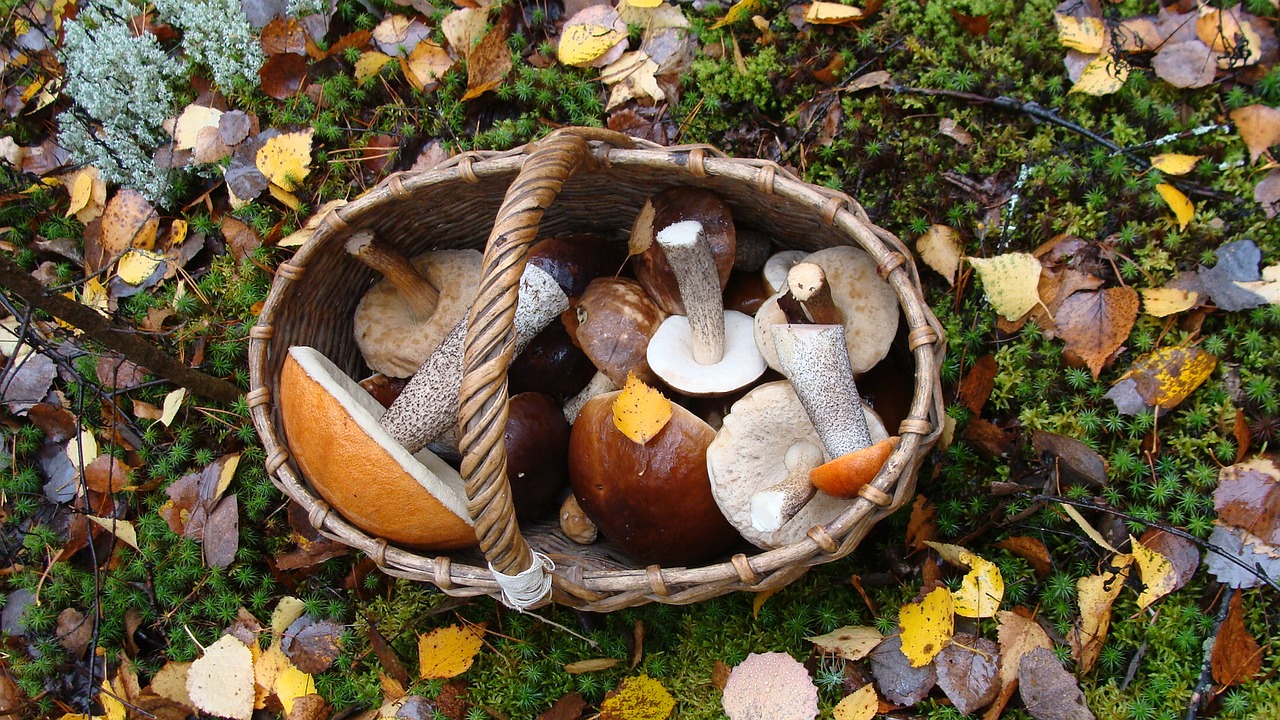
{"x":448,"y":651}
{"x":981,"y":589}
{"x":927,"y":626}
{"x":1010,"y":281}
{"x":640,"y":412}
{"x":1096,"y":595}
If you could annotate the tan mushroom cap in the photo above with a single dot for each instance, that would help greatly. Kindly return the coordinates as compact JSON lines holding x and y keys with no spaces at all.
{"x":869,"y":306}
{"x":748,"y":455}
{"x":332,"y":427}
{"x":391,"y":337}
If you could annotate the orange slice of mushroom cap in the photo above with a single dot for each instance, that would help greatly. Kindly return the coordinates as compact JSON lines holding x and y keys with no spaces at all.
{"x":847,"y":474}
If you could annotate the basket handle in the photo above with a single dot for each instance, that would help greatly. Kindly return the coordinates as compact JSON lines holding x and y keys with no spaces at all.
{"x":490,"y":343}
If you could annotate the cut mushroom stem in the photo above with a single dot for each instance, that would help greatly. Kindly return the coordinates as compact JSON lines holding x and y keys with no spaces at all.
{"x":598,"y":385}
{"x":807,"y":283}
{"x":396,"y":268}
{"x":814,"y":359}
{"x":772,"y":507}
{"x":428,"y":405}
{"x":690,"y":258}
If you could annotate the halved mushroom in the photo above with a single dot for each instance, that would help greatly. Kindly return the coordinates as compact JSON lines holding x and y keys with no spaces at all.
{"x":710,"y":351}
{"x":777,"y":266}
{"x":654,"y":269}
{"x":404,"y":317}
{"x":867,"y":304}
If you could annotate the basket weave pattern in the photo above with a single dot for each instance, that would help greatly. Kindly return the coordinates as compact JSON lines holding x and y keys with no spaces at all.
{"x":584,"y":181}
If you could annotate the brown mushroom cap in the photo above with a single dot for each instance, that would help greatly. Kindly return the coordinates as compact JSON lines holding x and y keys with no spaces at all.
{"x":333,"y":433}
{"x":652,"y":500}
{"x":392,"y":338}
{"x":575,"y":260}
{"x":675,"y":205}
{"x":615,"y":321}
{"x":748,"y":455}
{"x":537,"y":441}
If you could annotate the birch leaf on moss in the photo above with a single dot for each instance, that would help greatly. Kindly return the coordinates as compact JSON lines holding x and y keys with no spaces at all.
{"x":448,"y":651}
{"x":1011,"y":282}
{"x":927,"y":626}
{"x":1102,"y":76}
{"x":1175,"y":163}
{"x":1085,"y":34}
{"x":286,"y":159}
{"x":1182,"y":207}
{"x":981,"y":589}
{"x":1158,"y":575}
{"x":741,"y":10}
{"x":1165,"y":301}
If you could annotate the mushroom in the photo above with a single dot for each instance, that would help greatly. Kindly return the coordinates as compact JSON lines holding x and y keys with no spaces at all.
{"x":598,"y":385}
{"x":777,"y":266}
{"x":751,"y":251}
{"x":613,"y":323}
{"x":757,"y":467}
{"x":575,"y":524}
{"x":537,"y":442}
{"x":710,"y":351}
{"x":654,"y":269}
{"x":404,"y":317}
{"x":576,"y":260}
{"x":332,"y":427}
{"x":652,"y":500}
{"x":552,"y":364}
{"x":428,"y":405}
{"x":867,"y":304}
{"x":770,"y":686}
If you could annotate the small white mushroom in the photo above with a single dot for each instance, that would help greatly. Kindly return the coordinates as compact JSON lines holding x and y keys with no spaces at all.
{"x":428,"y":405}
{"x":710,"y":351}
{"x":775,"y":505}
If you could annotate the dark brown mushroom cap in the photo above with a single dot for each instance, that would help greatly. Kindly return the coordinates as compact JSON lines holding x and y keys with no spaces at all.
{"x":537,"y":441}
{"x":576,"y":260}
{"x":615,"y":321}
{"x":675,"y":205}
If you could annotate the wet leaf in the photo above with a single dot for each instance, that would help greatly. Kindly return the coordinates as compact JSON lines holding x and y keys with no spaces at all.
{"x":1096,"y":593}
{"x":1175,"y":163}
{"x":285,"y":159}
{"x":220,"y":682}
{"x":1259,"y":128}
{"x":639,"y":697}
{"x":1103,"y":75}
{"x":900,"y":682}
{"x":861,"y":704}
{"x":1236,"y":656}
{"x":1182,"y":207}
{"x":981,"y":589}
{"x":941,"y":250}
{"x":1166,"y":301}
{"x":927,"y":626}
{"x":851,"y":643}
{"x":1011,"y":282}
{"x":283,"y":35}
{"x":640,"y":412}
{"x":448,"y":651}
{"x":967,"y":672}
{"x":488,"y":63}
{"x":1095,"y":324}
{"x":1048,"y":690}
{"x":1158,"y":575}
{"x":138,"y":267}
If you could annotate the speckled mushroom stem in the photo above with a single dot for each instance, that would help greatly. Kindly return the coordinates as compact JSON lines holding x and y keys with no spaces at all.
{"x":690,"y":258}
{"x":814,"y":359}
{"x":772,"y":507}
{"x":420,"y":295}
{"x":428,"y":406}
{"x":807,"y":283}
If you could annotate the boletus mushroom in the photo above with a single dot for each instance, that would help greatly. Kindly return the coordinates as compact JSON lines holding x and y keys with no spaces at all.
{"x":332,"y":427}
{"x":405,"y":316}
{"x":710,"y":351}
{"x":652,"y":499}
{"x":654,"y":268}
{"x":537,"y":441}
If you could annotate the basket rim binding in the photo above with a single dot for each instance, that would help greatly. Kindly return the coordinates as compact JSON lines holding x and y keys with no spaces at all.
{"x":614,"y":589}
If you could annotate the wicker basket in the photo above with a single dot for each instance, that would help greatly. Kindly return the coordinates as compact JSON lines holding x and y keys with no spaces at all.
{"x":598,"y":180}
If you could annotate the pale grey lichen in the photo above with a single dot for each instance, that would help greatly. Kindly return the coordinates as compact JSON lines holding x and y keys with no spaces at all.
{"x":216,"y":34}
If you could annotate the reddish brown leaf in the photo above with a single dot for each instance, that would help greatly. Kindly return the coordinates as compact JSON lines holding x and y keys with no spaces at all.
{"x":1030,"y":549}
{"x":992,"y":441}
{"x":58,"y":424}
{"x":967,"y":669}
{"x":222,"y":533}
{"x":313,"y":645}
{"x":241,"y":238}
{"x":720,"y":675}
{"x":114,"y":371}
{"x":1181,"y":552}
{"x":1076,"y":461}
{"x":183,"y":494}
{"x":1240,"y":429}
{"x":973,"y":24}
{"x":1095,"y":324}
{"x":488,"y":63}
{"x":1236,"y":656}
{"x":978,"y":383}
{"x":106,"y":474}
{"x":283,"y":35}
{"x":568,"y":707}
{"x":74,"y":632}
{"x":923,"y":525}
{"x":309,"y":707}
{"x":1248,"y":497}
{"x":283,"y":75}
{"x":387,"y":657}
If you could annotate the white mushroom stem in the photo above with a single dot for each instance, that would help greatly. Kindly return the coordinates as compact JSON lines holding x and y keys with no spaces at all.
{"x":690,"y":258}
{"x":772,"y":507}
{"x":814,"y":359}
{"x":598,"y":385}
{"x":807,"y":283}
{"x":396,"y":268}
{"x":428,"y":405}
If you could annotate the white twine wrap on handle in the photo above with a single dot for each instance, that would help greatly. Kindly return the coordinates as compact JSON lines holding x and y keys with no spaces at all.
{"x":529,"y":587}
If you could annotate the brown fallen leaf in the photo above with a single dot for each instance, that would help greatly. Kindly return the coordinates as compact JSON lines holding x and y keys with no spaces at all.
{"x":1267,"y":193}
{"x":106,"y":474}
{"x":1030,"y":549}
{"x":1190,"y":64}
{"x":1048,"y":690}
{"x":1259,"y":128}
{"x":1075,"y":461}
{"x":1095,"y":324}
{"x":313,"y":645}
{"x":967,"y":672}
{"x":720,"y":675}
{"x":899,"y":682}
{"x":488,"y":63}
{"x":74,"y":631}
{"x":977,"y":384}
{"x":221,"y":537}
{"x":241,"y":239}
{"x":1236,"y":656}
{"x":922,"y":527}
{"x":1018,"y":636}
{"x":283,"y":35}
{"x":1096,"y":594}
{"x":127,"y":221}
{"x":426,"y":65}
{"x":568,"y":707}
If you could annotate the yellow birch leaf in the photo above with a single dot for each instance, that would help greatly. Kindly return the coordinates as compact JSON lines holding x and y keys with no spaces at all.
{"x":1085,"y":34}
{"x":1174,"y":163}
{"x":80,"y":186}
{"x":220,"y":682}
{"x":640,"y":412}
{"x":192,"y":120}
{"x":927,"y":626}
{"x":82,"y":449}
{"x":1011,"y":282}
{"x":592,"y":665}
{"x":1088,"y":529}
{"x":177,"y":233}
{"x":1163,"y":302}
{"x":584,"y":44}
{"x":287,"y":610}
{"x":138,"y":265}
{"x":940,"y":249}
{"x":637,"y":698}
{"x":741,"y":10}
{"x":286,"y":159}
{"x":267,"y":667}
{"x":172,"y":402}
{"x":112,"y":708}
{"x":426,"y":65}
{"x":1182,"y":207}
{"x":760,"y":599}
{"x":448,"y":651}
{"x":1103,"y":76}
{"x":291,"y":684}
{"x":1165,"y":377}
{"x":369,"y":63}
{"x":1096,"y":594}
{"x":644,"y":3}
{"x":850,"y":643}
{"x":94,"y":295}
{"x":286,"y":198}
{"x":981,"y":589}
{"x":122,"y":529}
{"x":1158,"y":576}
{"x":831,"y":13}
{"x":861,"y":704}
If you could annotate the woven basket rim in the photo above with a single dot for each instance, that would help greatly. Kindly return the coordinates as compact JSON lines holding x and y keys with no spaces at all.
{"x":610,"y":589}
